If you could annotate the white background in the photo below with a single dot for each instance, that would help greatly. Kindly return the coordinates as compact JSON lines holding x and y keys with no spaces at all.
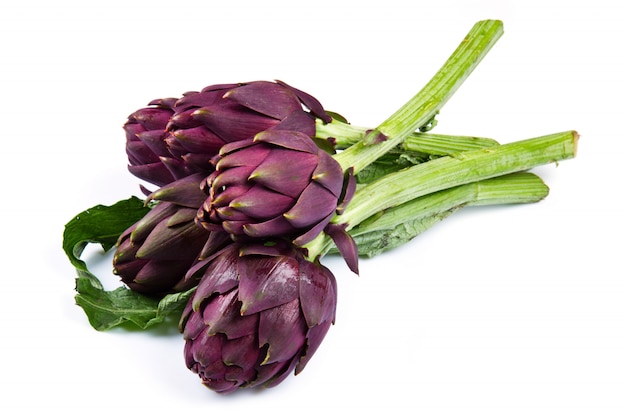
{"x":502,"y":311}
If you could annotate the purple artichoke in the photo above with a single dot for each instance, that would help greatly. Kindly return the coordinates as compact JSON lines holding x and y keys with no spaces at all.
{"x":277,"y":184}
{"x":258,"y":313}
{"x":174,"y":138}
{"x":154,"y":254}
{"x":148,"y":156}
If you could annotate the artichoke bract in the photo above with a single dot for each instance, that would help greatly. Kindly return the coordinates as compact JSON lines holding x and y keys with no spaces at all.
{"x":176,"y":137}
{"x":154,"y":254}
{"x":277,"y":184}
{"x":258,"y":313}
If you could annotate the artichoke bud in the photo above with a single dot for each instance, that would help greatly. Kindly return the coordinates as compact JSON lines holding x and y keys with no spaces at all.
{"x":173,"y":138}
{"x":277,"y":184}
{"x":154,"y":254}
{"x":259,"y":313}
{"x":145,"y":144}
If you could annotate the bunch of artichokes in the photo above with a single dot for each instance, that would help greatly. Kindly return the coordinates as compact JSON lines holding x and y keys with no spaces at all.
{"x":243,"y":185}
{"x":256,"y":182}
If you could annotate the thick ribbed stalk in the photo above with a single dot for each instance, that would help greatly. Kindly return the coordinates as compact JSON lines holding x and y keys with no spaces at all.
{"x":435,"y":144}
{"x":450,"y":171}
{"x":447,"y":171}
{"x":394,"y":226}
{"x":440,"y":145}
{"x":519,"y":187}
{"x":423,"y":107}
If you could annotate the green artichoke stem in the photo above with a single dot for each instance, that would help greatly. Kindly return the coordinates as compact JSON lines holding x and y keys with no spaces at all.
{"x":424,"y":106}
{"x":417,"y":215}
{"x":449,"y":171}
{"x":434,"y":144}
{"x":515,"y":188}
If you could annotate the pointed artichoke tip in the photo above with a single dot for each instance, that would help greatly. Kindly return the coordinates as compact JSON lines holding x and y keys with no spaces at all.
{"x":248,"y":231}
{"x":141,"y":253}
{"x":132,"y":239}
{"x":265,"y":360}
{"x":319,"y":176}
{"x":196,"y":302}
{"x":258,"y":137}
{"x":288,"y":216}
{"x":245,"y":307}
{"x":202,"y":111}
{"x":234,"y":204}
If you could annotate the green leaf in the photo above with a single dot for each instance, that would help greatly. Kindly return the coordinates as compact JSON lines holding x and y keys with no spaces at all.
{"x":107,"y":309}
{"x":391,"y":162}
{"x":99,"y":224}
